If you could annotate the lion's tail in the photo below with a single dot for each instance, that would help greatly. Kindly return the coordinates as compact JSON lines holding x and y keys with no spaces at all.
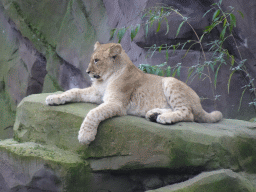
{"x":202,"y":116}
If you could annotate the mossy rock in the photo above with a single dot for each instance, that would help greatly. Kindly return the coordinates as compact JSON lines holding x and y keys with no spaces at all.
{"x":216,"y":181}
{"x":41,"y":167}
{"x":129,"y":142}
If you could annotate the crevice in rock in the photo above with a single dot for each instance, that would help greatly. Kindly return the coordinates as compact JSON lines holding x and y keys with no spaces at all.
{"x":148,"y":179}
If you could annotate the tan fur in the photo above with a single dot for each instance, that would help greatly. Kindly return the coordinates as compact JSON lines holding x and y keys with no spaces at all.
{"x":121,"y":88}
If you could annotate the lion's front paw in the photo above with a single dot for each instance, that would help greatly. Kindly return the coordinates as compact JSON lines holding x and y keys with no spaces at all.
{"x":54,"y":100}
{"x":85,"y":136}
{"x":163,"y":119}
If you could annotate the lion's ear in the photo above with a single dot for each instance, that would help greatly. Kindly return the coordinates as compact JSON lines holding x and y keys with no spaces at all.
{"x":97,"y":44}
{"x":115,"y":50}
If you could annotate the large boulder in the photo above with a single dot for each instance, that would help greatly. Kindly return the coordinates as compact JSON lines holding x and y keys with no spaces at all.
{"x":128,"y":142}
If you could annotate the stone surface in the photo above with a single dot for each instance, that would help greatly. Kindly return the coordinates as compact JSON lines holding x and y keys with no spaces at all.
{"x":128,"y":142}
{"x":222,"y":181}
{"x":129,"y":153}
{"x":34,"y":167}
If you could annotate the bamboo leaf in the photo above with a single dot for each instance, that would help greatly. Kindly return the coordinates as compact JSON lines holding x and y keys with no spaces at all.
{"x":242,"y":15}
{"x":167,"y":26}
{"x":230,"y":79}
{"x":207,"y":12}
{"x":178,"y":71}
{"x":168,"y":71}
{"x":215,"y":15}
{"x":232,"y":60}
{"x":183,"y":45}
{"x":232,"y":22}
{"x":223,"y":32}
{"x":212,"y":67}
{"x":166,"y":55}
{"x":178,"y":31}
{"x":135,"y":31}
{"x":190,"y":71}
{"x":225,"y":22}
{"x":160,"y":48}
{"x":112,"y":33}
{"x":120,"y":34}
{"x":216,"y":75}
{"x":146,"y":30}
{"x":240,"y":102}
{"x":174,"y":73}
{"x":159,"y":26}
{"x":174,"y":48}
{"x":188,"y":50}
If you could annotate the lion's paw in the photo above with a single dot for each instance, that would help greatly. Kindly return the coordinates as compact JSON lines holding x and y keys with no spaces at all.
{"x":85,"y":137}
{"x":54,"y":100}
{"x":163,"y":119}
{"x":153,"y":114}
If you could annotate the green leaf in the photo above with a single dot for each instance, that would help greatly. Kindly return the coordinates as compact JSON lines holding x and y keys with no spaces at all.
{"x":146,"y":30}
{"x":159,"y":26}
{"x":225,"y":22}
{"x":223,"y":32}
{"x":178,"y":71}
{"x":112,"y":33}
{"x":144,"y":15}
{"x":230,"y":79}
{"x":183,"y":45}
{"x":174,"y":48}
{"x":174,"y":73}
{"x":190,"y":71}
{"x":157,"y":72}
{"x":135,"y":31}
{"x":215,"y":15}
{"x":242,"y":15}
{"x":220,"y":2}
{"x":232,"y":22}
{"x":120,"y":34}
{"x":207,"y":12}
{"x":160,"y":48}
{"x":240,"y":102}
{"x":232,"y":60}
{"x":168,"y":71}
{"x":167,"y":26}
{"x":212,"y":67}
{"x":166,"y":55}
{"x":178,"y":31}
{"x":216,"y":75}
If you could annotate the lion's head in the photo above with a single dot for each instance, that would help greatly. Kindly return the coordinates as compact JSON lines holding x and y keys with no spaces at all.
{"x":104,"y":61}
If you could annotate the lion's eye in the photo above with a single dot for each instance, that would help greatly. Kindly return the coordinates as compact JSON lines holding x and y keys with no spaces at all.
{"x":96,"y":60}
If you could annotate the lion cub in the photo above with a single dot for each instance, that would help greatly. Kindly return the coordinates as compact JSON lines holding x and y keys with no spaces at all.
{"x":121,"y":88}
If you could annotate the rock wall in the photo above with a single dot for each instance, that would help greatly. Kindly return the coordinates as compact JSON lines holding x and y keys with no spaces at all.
{"x":46,"y":46}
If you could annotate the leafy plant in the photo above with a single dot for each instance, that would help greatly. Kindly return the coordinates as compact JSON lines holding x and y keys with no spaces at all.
{"x":161,"y":69}
{"x":224,"y":20}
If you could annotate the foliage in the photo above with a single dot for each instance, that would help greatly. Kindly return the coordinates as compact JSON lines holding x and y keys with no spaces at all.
{"x":224,"y":20}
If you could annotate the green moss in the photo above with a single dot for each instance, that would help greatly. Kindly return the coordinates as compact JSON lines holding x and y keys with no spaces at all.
{"x":247,"y":154}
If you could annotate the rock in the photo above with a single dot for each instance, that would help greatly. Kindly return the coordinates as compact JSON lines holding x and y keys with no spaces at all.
{"x":30,"y":166}
{"x":129,"y":153}
{"x":128,"y":142}
{"x":222,"y":181}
